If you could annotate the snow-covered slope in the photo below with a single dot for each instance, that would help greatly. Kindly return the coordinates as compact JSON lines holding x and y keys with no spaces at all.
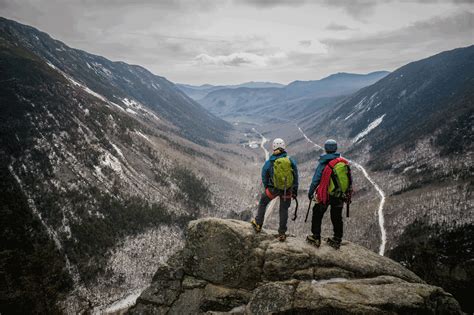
{"x":413,"y":131}
{"x":100,"y":161}
{"x":117,"y":81}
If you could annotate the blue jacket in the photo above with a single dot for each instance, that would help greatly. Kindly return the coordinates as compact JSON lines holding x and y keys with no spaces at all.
{"x":267,"y":171}
{"x":324,"y":159}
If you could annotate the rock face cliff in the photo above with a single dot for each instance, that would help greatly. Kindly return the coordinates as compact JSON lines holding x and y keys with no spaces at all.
{"x":226,"y":268}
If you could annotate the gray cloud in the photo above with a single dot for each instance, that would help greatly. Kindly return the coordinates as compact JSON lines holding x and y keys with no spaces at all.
{"x":359,"y":9}
{"x":241,"y":59}
{"x":165,"y":36}
{"x":390,"y":50}
{"x":442,"y":30}
{"x":271,"y":3}
{"x":305,"y":43}
{"x":356,"y":8}
{"x":337,"y":27}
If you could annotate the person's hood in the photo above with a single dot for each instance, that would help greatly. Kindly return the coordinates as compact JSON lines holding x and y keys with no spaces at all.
{"x":324,"y":158}
{"x":274,"y":157}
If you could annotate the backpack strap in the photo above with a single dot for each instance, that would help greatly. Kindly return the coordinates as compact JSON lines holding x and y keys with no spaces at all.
{"x":333,"y":162}
{"x":349,"y":189}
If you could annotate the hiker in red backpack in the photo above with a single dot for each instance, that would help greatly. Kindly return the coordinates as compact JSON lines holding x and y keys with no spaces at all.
{"x":279,"y":179}
{"x":331,"y":186}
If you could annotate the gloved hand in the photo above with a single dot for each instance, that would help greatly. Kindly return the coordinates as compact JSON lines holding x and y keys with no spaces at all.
{"x":310,"y":196}
{"x":294,"y":193}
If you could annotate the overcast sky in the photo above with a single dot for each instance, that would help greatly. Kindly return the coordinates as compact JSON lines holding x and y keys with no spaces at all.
{"x":234,"y":41}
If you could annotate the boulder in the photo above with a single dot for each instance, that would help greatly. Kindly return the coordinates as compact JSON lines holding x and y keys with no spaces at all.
{"x":225,"y":267}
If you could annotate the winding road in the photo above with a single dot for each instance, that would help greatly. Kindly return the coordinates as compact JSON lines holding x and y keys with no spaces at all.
{"x":383,"y":233}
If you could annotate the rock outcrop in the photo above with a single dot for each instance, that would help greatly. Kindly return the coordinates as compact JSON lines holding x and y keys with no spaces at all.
{"x":226,"y":268}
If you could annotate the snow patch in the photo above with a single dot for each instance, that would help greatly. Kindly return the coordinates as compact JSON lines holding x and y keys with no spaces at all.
{"x":50,"y":231}
{"x":112,"y":162}
{"x":361,"y":103}
{"x":253,"y":144}
{"x":142,"y":135}
{"x":350,"y":115}
{"x":117,"y":149}
{"x":130,"y":102}
{"x":374,"y":95}
{"x":102,"y":69}
{"x":117,"y":105}
{"x":369,"y":128}
{"x":134,"y":262}
{"x":406,"y":169}
{"x":131,"y":111}
{"x":148,"y":112}
{"x":122,"y":304}
{"x":70,"y":79}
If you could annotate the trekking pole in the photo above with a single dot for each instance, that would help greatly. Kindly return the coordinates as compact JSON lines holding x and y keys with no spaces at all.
{"x":307,"y":212}
{"x":296,"y":209}
{"x":348,"y":202}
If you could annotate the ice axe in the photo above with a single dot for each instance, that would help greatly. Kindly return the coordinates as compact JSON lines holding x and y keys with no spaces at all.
{"x":296,"y":209}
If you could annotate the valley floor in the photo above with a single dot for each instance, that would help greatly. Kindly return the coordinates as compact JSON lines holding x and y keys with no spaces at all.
{"x":365,"y":226}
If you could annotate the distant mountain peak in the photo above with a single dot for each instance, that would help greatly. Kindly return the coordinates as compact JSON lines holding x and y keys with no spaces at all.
{"x":354,"y":75}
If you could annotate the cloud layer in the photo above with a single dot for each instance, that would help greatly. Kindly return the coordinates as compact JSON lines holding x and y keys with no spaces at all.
{"x":232,"y":41}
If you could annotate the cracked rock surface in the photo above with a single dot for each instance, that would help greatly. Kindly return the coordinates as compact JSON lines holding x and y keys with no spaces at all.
{"x":225,"y":268}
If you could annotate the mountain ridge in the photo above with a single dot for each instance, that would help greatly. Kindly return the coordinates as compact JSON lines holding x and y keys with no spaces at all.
{"x":255,"y":102}
{"x":116,"y":80}
{"x":413,"y":132}
{"x":198,"y":92}
{"x":104,"y":174}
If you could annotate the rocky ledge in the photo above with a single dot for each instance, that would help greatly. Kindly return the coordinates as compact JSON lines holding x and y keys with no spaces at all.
{"x":226,"y":268}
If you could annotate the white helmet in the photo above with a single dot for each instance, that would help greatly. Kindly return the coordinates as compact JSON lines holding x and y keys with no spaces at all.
{"x":278,"y":143}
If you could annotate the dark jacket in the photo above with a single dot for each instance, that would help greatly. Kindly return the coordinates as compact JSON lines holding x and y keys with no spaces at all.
{"x":324,"y":159}
{"x":267,"y":171}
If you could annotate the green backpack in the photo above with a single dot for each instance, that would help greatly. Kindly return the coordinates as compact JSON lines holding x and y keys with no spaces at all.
{"x":282,"y":173}
{"x":340,"y":181}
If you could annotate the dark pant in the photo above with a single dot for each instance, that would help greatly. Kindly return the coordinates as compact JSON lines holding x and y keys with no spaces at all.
{"x":285,"y":202}
{"x":336,"y":217}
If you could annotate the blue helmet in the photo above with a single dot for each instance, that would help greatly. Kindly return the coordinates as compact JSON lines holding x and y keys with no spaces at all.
{"x":330,"y":146}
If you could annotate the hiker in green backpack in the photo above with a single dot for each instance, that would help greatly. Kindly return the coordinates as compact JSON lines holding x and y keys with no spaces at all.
{"x":279,"y":179}
{"x":331,"y":186}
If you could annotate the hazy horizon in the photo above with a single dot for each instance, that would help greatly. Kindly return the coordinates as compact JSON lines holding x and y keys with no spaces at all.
{"x":235,"y":41}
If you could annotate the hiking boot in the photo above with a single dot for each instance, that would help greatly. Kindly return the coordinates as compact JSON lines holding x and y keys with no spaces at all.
{"x":256,"y":227}
{"x":334,"y":243}
{"x":282,"y":237}
{"x":313,"y":240}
